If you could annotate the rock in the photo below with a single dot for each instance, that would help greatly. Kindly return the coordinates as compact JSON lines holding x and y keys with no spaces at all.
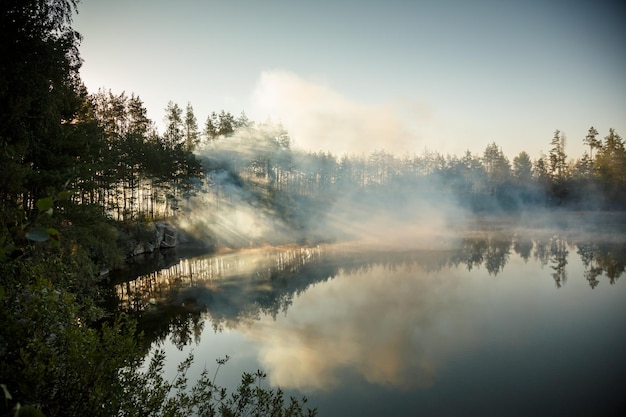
{"x":152,"y":236}
{"x":143,"y":247}
{"x":167,"y":235}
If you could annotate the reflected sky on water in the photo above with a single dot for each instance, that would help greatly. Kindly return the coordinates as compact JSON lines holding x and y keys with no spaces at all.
{"x":500,"y":324}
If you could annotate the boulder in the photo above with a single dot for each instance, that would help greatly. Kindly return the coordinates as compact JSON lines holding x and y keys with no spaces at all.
{"x":152,"y":236}
{"x":143,"y":247}
{"x":166,"y":235}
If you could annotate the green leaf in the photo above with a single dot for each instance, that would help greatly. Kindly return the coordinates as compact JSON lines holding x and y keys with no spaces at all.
{"x":45,"y":204}
{"x":55,"y":236}
{"x":4,"y":387}
{"x":64,"y":195}
{"x":7,"y":394}
{"x":38,"y":234}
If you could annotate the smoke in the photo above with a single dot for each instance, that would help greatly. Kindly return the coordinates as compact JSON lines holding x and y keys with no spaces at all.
{"x":244,"y":204}
{"x":266,"y":186}
{"x":233,"y":208}
{"x":322,"y":119}
{"x":399,"y":215}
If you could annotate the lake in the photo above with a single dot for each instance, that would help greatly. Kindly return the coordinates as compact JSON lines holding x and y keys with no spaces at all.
{"x":493,"y":322}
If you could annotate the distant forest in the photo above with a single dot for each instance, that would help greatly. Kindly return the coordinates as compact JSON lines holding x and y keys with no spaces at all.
{"x":112,"y":156}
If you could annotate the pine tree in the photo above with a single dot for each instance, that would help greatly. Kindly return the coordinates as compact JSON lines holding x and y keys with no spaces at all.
{"x":540,"y":170}
{"x":611,"y":166}
{"x":557,"y":157}
{"x":191,"y":133}
{"x":522,"y":168}
{"x":139,"y":123}
{"x":226,"y":124}
{"x":211,"y":127}
{"x":39,"y":98}
{"x":242,"y":122}
{"x":174,"y":128}
{"x":591,"y":141}
{"x":497,"y":167}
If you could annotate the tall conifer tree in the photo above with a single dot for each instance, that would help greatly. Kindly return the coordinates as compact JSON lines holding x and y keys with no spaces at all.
{"x":192,"y":135}
{"x":174,"y":128}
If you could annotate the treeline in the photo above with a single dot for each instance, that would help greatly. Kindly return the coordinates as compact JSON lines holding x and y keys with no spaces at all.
{"x":141,"y":173}
{"x":480,"y":182}
{"x":300,"y":196}
{"x":105,"y":150}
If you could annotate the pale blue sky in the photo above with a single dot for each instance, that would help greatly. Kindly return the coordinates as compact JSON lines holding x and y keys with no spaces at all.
{"x":353,"y":76}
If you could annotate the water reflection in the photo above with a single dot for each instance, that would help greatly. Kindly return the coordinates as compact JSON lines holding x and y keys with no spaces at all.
{"x":244,"y":286}
{"x":510,"y":312}
{"x":396,"y":328}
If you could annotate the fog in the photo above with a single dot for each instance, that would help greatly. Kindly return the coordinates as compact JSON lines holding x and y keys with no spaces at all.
{"x":258,"y":192}
{"x":322,"y":119}
{"x":259,"y":188}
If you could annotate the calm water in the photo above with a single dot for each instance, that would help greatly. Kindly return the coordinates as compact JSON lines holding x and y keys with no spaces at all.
{"x":494,"y":323}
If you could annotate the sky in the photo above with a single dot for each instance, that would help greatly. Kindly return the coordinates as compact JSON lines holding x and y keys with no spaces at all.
{"x":356,"y":76}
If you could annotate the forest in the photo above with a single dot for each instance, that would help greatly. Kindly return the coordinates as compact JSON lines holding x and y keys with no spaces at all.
{"x":259,"y":158}
{"x":81,"y":171}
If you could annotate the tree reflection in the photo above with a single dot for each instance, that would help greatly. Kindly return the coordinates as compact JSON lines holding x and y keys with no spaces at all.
{"x":587,"y":252}
{"x":611,"y":258}
{"x":558,"y":258}
{"x":541,"y":253}
{"x":472,"y":252}
{"x":247,"y":285}
{"x":492,"y":251}
{"x":523,"y":246}
{"x":599,"y":258}
{"x":497,"y":254}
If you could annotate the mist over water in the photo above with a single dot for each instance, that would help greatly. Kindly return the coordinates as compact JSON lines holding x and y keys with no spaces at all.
{"x":258,"y":191}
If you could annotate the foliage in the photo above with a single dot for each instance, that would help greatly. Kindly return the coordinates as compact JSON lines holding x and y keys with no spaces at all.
{"x":591,"y":141}
{"x":192,"y":134}
{"x":61,"y":356}
{"x":39,"y":96}
{"x":143,"y":174}
{"x":159,"y":397}
{"x":557,"y":157}
{"x":522,"y":168}
{"x":610,"y":165}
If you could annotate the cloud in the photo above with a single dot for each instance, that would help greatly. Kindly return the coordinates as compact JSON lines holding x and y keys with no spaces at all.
{"x":393,"y":326}
{"x":321,"y":119}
